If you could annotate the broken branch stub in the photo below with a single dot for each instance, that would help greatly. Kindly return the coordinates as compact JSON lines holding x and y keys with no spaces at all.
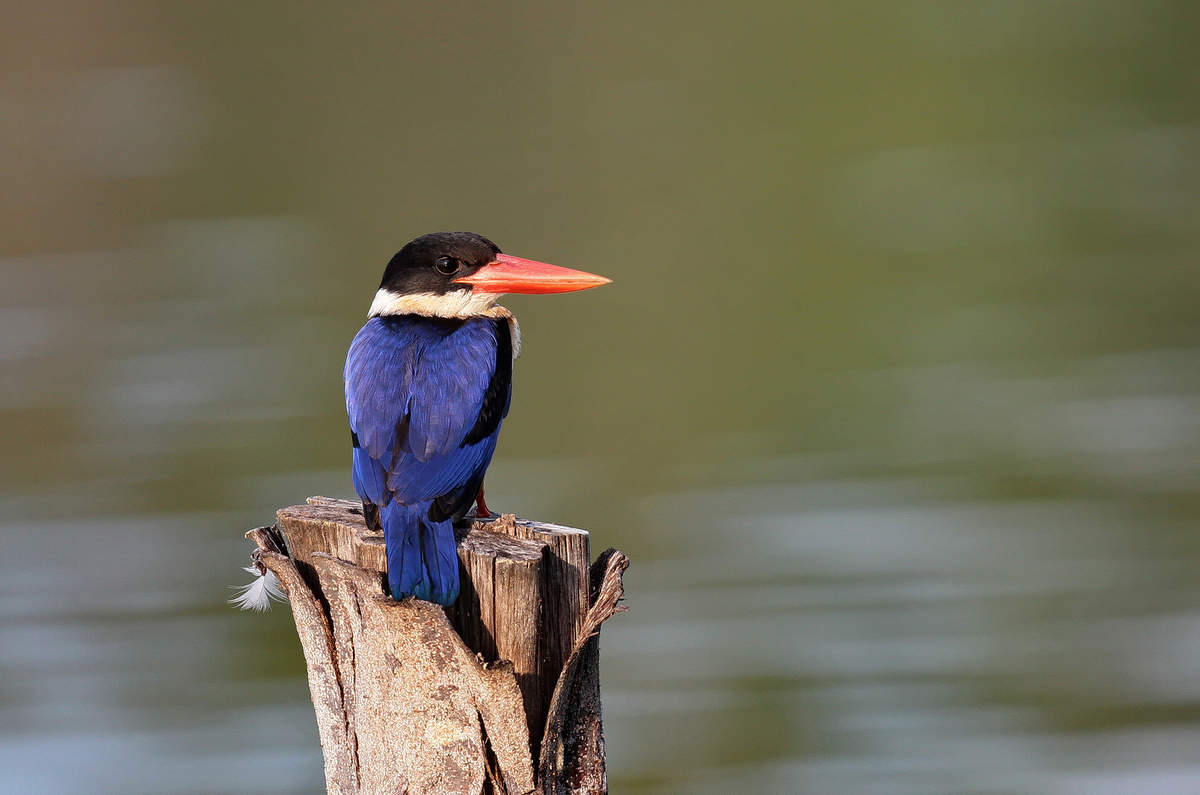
{"x":499,"y":693}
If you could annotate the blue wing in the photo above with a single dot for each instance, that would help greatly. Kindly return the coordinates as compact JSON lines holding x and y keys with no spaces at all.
{"x":425,"y":398}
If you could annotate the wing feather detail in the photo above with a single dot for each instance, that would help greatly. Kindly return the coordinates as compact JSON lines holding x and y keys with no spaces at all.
{"x":415,"y":391}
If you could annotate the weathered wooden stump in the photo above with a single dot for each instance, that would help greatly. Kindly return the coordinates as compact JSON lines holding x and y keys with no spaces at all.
{"x":499,"y":693}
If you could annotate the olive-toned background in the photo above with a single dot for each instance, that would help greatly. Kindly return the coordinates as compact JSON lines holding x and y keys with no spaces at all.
{"x":894,"y":399}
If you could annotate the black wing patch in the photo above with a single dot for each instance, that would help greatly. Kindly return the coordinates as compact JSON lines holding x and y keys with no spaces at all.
{"x":499,"y":389}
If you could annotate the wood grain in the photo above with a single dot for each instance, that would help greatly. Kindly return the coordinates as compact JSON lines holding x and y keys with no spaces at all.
{"x":499,"y":693}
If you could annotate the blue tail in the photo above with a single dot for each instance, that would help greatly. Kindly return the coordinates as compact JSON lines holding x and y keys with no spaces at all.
{"x":422,"y":556}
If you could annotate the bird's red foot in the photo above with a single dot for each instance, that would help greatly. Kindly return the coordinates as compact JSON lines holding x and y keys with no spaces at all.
{"x":481,"y":509}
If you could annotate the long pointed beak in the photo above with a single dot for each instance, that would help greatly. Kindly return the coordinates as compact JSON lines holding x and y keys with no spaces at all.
{"x":515,"y":275}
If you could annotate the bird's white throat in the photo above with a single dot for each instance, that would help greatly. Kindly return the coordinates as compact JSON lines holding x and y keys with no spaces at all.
{"x":459,"y":304}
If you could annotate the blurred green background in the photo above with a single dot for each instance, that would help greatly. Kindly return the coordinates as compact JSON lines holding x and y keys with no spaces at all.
{"x":894,"y":400}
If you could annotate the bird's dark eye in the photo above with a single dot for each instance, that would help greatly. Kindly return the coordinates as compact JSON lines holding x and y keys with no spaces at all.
{"x":448,"y":265}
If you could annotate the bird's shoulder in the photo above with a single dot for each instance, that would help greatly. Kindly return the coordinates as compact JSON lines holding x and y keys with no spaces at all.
{"x":404,"y":330}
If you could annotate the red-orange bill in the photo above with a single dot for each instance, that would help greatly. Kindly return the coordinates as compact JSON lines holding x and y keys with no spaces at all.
{"x":515,"y":275}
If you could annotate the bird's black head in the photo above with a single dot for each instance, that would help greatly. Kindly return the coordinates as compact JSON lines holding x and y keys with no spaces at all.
{"x":430,"y":263}
{"x":462,"y":274}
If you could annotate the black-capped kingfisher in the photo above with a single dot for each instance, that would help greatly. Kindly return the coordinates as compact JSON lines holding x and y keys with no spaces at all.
{"x":428,"y":384}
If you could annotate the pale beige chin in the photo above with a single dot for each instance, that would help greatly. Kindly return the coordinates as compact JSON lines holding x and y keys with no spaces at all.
{"x":460,"y":305}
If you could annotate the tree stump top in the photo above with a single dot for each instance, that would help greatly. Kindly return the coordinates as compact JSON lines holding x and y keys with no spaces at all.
{"x":498,"y":693}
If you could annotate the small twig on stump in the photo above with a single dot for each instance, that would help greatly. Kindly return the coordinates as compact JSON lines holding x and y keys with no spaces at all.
{"x":416,"y":699}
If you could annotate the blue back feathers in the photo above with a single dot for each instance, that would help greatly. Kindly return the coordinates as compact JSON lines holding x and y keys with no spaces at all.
{"x":425,"y":397}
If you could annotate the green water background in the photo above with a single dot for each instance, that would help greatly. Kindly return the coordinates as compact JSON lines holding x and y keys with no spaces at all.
{"x":894,"y":399}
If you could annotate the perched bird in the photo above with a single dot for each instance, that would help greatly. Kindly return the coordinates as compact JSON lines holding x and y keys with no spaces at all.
{"x":428,"y":383}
